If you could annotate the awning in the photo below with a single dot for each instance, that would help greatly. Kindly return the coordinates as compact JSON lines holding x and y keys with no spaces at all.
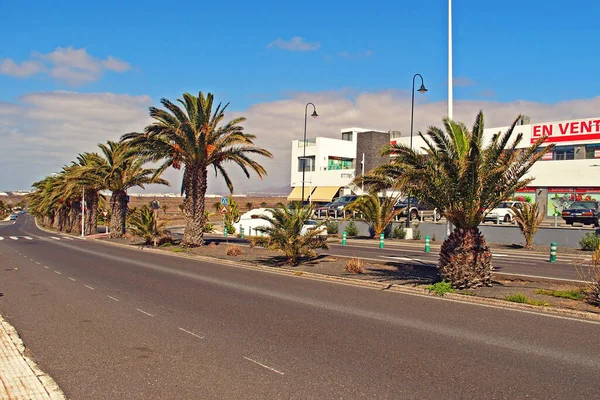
{"x":324,"y":193}
{"x":296,"y":194}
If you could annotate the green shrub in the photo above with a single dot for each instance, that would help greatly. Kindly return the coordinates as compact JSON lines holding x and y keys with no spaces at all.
{"x":351,"y":229}
{"x":573,"y":294}
{"x":590,"y":241}
{"x":521,"y":298}
{"x":416,"y":232}
{"x":400,"y":232}
{"x":440,"y":288}
{"x":332,"y":227}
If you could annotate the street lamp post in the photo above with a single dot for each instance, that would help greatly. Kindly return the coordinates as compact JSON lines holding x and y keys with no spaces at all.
{"x":412,"y":112}
{"x":314,"y":115}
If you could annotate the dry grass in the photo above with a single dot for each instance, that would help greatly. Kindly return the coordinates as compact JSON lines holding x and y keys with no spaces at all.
{"x":233,"y":250}
{"x":355,"y":266}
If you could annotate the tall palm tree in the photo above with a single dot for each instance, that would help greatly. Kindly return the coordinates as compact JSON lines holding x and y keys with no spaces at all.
{"x":378,"y":214}
{"x":122,"y":170}
{"x":457,"y":173}
{"x":196,"y":138}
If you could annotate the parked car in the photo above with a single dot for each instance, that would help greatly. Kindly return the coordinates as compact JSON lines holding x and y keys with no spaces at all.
{"x":503,"y":212}
{"x":586,"y":212}
{"x":417,"y":208}
{"x":13,"y":217}
{"x":311,"y":224}
{"x":337,"y":208}
{"x":322,"y":211}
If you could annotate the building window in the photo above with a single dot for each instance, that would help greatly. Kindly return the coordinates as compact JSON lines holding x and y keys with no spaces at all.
{"x":334,"y":163}
{"x":347,"y":136}
{"x":564,"y":153}
{"x":592,"y":151}
{"x":308,"y":161}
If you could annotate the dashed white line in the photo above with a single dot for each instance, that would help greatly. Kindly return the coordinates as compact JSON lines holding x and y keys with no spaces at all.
{"x":28,"y":238}
{"x":37,"y":263}
{"x":89,"y":287}
{"x":14,"y":237}
{"x":264,"y":366}
{"x":66,"y":237}
{"x":112,"y":298}
{"x":191,"y":333}
{"x":59,"y":273}
{"x":71,"y":279}
{"x":53,"y":237}
{"x":144,"y":312}
{"x":45,"y":266}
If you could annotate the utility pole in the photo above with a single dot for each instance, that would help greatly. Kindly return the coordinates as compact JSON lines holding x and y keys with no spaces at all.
{"x":83,"y":212}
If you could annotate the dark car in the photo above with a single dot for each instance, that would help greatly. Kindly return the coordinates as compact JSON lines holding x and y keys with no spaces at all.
{"x":417,"y":209}
{"x":337,"y":207}
{"x":586,"y":212}
{"x":322,"y":210}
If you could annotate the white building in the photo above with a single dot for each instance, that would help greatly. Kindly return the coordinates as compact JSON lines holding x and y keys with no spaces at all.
{"x":570,"y":172}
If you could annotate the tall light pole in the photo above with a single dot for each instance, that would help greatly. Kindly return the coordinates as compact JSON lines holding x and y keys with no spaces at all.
{"x":449,"y":226}
{"x":412,"y":113}
{"x":314,"y":115}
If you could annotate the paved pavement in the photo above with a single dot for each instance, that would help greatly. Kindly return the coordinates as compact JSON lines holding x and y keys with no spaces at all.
{"x":113,"y":323}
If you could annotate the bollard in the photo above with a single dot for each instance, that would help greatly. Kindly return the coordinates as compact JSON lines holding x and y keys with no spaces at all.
{"x":381,"y":240}
{"x":242,"y":231}
{"x":426,"y":244}
{"x":344,"y":238}
{"x":225,"y":232}
{"x":552,"y":252}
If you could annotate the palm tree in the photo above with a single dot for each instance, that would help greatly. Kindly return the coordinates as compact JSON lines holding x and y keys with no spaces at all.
{"x":529,"y":218}
{"x":123,"y":170}
{"x":145,"y":225}
{"x":457,"y":173}
{"x":284,"y":233}
{"x":193,"y":137}
{"x":378,"y":214}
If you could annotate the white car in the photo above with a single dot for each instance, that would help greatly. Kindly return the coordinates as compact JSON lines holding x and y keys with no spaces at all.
{"x":251,"y":220}
{"x":312,"y":224}
{"x":503,"y":212}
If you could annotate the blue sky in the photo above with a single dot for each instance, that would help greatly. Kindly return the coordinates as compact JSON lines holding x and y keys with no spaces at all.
{"x":535,"y":54}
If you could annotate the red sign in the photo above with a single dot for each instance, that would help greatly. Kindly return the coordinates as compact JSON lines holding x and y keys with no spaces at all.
{"x":224,"y":210}
{"x":548,"y":156}
{"x":586,"y":129}
{"x":574,"y":190}
{"x":104,"y":213}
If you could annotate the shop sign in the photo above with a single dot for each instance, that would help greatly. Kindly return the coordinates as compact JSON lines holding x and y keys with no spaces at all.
{"x":548,"y":156}
{"x":597,"y":153}
{"x":567,"y":131}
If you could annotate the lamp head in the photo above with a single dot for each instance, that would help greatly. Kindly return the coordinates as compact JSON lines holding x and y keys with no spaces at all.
{"x":314,"y":114}
{"x":422,"y":89}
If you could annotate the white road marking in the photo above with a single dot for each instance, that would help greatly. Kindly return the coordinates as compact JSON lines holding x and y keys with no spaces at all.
{"x":79,"y":237}
{"x":71,"y":279}
{"x":1,"y":238}
{"x":45,"y":266}
{"x":112,"y":298}
{"x":14,"y":238}
{"x":144,"y":312}
{"x":89,"y":287}
{"x":37,"y":263}
{"x":28,"y":238}
{"x":59,"y":273}
{"x":54,"y":237}
{"x":264,"y":366}
{"x":191,"y":333}
{"x":404,"y":259}
{"x":67,"y":237}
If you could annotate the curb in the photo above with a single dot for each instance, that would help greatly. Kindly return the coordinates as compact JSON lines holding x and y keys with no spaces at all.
{"x":489,"y":302}
{"x":50,"y":386}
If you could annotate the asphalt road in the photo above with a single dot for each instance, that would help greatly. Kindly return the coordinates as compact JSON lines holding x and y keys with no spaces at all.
{"x":506,"y":262}
{"x":114,"y":323}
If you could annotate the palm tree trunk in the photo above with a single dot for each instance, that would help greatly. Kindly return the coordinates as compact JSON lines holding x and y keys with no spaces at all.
{"x":466,"y":260}
{"x":91,"y":213}
{"x":193,"y":205}
{"x":118,"y":206}
{"x":61,"y":220}
{"x":75,"y":220}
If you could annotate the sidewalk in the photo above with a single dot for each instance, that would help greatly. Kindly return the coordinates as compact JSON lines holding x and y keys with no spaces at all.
{"x":20,"y":377}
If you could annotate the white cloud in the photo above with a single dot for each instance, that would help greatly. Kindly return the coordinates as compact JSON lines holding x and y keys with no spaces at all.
{"x":463,"y":81}
{"x":359,"y":55}
{"x":45,"y":131}
{"x":70,"y":65}
{"x":296,"y":43}
{"x":21,"y":70}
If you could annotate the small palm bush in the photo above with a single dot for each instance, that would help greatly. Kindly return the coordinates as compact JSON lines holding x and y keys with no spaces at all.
{"x":142,"y":224}
{"x":332,"y":227}
{"x":400,"y":232}
{"x":590,"y":242}
{"x":378,"y":214}
{"x":529,"y":219}
{"x":284,"y":234}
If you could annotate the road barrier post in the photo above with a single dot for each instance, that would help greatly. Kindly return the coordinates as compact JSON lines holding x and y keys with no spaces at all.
{"x":555,"y":220}
{"x":426,"y":244}
{"x":344,"y":238}
{"x":497,"y":219}
{"x":225,"y":231}
{"x":552,"y":252}
{"x":381,"y":240}
{"x":242,"y":231}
